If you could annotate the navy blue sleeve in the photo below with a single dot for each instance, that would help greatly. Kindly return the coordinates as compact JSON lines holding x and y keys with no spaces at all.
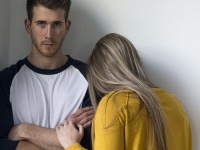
{"x":86,"y":141}
{"x":6,"y":116}
{"x":5,"y":125}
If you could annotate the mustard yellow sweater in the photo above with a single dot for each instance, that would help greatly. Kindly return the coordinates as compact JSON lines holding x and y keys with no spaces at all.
{"x":119,"y":125}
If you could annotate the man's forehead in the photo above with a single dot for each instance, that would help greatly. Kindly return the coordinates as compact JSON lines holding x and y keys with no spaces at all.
{"x":43,"y":13}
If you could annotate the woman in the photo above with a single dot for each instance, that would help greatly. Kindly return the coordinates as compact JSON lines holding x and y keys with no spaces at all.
{"x":131,"y":112}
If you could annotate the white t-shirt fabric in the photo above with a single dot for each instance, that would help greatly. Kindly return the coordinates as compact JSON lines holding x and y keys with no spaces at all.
{"x":47,"y":97}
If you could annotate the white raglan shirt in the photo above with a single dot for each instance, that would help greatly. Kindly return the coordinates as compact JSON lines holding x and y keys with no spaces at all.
{"x":46,"y":99}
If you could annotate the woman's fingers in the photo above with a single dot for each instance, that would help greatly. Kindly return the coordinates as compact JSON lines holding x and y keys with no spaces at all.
{"x":80,"y":128}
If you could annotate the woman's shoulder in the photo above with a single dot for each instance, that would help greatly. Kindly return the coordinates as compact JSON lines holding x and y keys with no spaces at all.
{"x":119,"y":96}
{"x":115,"y":106}
{"x":169,"y":101}
{"x":165,"y":97}
{"x":119,"y":99}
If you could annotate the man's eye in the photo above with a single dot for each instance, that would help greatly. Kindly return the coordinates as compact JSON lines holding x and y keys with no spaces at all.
{"x":41,"y":24}
{"x":57,"y":24}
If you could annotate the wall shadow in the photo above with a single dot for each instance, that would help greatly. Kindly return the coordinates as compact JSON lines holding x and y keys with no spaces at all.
{"x":83,"y":34}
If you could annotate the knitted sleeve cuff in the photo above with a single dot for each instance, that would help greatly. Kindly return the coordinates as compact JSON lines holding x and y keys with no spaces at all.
{"x":75,"y":146}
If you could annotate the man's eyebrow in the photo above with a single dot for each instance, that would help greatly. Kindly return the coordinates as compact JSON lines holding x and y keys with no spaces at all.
{"x":43,"y":21}
{"x":40,"y":21}
{"x":57,"y":21}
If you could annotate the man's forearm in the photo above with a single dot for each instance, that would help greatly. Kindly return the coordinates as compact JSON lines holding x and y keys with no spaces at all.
{"x":44,"y":138}
{"x":26,"y":145}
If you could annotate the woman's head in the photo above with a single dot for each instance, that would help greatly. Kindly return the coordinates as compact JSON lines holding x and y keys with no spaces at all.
{"x":113,"y":63}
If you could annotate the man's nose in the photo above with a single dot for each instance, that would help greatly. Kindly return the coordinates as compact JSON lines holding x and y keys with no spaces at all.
{"x":49,"y":32}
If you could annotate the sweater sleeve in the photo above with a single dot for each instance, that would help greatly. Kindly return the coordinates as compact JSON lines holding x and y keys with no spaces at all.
{"x":76,"y":146}
{"x":109,"y":125}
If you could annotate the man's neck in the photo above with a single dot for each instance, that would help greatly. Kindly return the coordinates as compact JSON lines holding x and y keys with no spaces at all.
{"x":48,"y":62}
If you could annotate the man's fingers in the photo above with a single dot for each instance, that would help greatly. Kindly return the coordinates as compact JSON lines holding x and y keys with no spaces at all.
{"x":84,"y":118}
{"x":86,"y":114}
{"x":87,"y":119}
{"x":82,"y":115}
{"x":81,"y":111}
{"x":87,"y":124}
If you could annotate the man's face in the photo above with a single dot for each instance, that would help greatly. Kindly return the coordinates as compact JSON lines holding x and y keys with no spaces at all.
{"x":47,"y":29}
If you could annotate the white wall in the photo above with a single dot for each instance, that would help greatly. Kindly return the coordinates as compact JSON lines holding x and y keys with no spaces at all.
{"x":4,"y":32}
{"x":19,"y":41}
{"x":166,"y":34}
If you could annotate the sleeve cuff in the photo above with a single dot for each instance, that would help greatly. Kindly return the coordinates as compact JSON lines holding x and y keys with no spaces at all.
{"x":75,"y":146}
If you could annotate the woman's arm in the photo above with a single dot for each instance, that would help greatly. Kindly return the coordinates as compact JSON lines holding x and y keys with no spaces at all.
{"x":109,"y":127}
{"x":70,"y":135}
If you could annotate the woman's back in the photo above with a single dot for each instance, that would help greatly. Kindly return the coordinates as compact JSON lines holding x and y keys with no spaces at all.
{"x":121,"y":124}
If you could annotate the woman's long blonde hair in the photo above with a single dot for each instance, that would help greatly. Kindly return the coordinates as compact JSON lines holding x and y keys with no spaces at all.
{"x":115,"y":65}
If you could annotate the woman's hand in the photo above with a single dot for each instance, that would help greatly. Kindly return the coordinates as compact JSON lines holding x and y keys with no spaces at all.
{"x":68,"y":134}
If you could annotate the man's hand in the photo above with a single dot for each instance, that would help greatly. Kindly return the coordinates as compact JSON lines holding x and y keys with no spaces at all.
{"x":82,"y":116}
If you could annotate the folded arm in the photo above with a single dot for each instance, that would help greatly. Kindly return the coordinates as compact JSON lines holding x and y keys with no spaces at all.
{"x":46,"y":138}
{"x":26,"y":145}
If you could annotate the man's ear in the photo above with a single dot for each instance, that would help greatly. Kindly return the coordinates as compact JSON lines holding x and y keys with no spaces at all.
{"x":68,"y":25}
{"x":27,"y":24}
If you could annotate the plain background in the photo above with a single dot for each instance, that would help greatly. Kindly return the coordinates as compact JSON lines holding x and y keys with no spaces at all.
{"x":166,"y":34}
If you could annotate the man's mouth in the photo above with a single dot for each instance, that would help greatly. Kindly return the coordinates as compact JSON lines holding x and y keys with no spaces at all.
{"x":48,"y":43}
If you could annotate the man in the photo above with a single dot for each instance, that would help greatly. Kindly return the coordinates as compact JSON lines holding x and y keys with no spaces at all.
{"x":45,"y":88}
